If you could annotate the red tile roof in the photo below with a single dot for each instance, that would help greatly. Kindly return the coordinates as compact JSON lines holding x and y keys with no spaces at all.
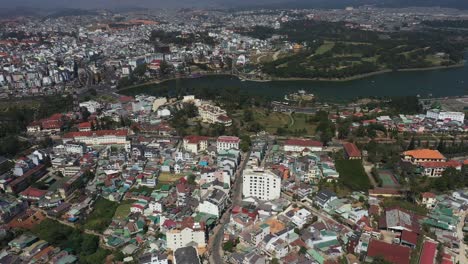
{"x":51,"y":124}
{"x":57,"y":116}
{"x":408,"y":236}
{"x":440,"y":164}
{"x":428,"y":253}
{"x":125,"y":99}
{"x":84,"y":125}
{"x":229,"y":139}
{"x":33,"y":192}
{"x":303,"y":143}
{"x":98,"y":133}
{"x":428,"y":195}
{"x":351,"y":150}
{"x":424,"y":154}
{"x":195,"y":139}
{"x":390,"y":252}
{"x":224,"y":118}
{"x":139,"y":206}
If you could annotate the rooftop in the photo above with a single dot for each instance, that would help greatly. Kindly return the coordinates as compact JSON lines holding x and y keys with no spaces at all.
{"x":390,"y":252}
{"x":424,"y":154}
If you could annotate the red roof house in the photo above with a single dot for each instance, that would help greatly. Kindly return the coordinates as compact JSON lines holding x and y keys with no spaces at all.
{"x":352,"y":151}
{"x":390,"y":252}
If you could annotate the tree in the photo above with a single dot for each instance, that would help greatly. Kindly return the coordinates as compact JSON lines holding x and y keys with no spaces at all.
{"x":440,"y":253}
{"x":228,"y":246}
{"x":245,"y":143}
{"x":274,"y":261}
{"x":191,"y":179}
{"x":441,"y":145}
{"x":89,"y":244}
{"x":118,"y":255}
{"x":140,"y":70}
{"x":380,"y":260}
{"x":302,"y":250}
{"x":411,"y":145}
{"x":248,"y":115}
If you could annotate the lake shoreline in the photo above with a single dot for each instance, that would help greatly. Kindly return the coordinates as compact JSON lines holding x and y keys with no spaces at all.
{"x":362,"y":76}
{"x":325,"y":80}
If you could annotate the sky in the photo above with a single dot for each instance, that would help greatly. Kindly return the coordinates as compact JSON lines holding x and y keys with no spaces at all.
{"x":113,"y":3}
{"x":109,"y":4}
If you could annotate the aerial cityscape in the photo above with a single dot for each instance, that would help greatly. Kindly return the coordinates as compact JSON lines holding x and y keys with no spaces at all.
{"x":210,"y":132}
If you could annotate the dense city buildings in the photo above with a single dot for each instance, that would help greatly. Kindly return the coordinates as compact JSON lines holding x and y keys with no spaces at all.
{"x":122,"y":139}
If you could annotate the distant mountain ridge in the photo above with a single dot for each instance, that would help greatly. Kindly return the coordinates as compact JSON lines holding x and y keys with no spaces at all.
{"x":30,"y":5}
{"x":326,"y":4}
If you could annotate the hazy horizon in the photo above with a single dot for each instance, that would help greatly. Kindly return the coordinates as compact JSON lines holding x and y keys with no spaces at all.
{"x":110,"y":4}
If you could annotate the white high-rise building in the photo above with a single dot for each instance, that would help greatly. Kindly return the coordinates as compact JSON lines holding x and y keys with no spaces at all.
{"x":442,"y":115}
{"x":261,"y":184}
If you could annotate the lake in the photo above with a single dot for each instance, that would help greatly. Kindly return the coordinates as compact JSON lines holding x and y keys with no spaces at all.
{"x":439,"y":83}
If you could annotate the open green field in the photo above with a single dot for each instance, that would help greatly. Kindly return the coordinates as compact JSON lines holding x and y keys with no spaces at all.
{"x":271,"y":121}
{"x":434,"y":60}
{"x":301,"y":122}
{"x":123,"y":210}
{"x":101,"y":216}
{"x":326,"y":46}
{"x":353,"y":175}
{"x":165,"y":177}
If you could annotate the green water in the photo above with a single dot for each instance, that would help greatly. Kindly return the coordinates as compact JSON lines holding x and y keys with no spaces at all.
{"x":439,"y":83}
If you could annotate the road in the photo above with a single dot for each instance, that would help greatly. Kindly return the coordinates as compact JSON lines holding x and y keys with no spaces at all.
{"x":461,"y":257}
{"x":368,"y":168}
{"x":215,"y":244}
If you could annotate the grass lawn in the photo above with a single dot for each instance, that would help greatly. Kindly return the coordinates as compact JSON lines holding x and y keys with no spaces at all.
{"x":434,"y":60}
{"x":300,"y":122}
{"x":370,"y":59}
{"x":124,"y":209}
{"x":274,"y":120}
{"x":165,"y":177}
{"x":353,"y":175}
{"x":101,"y":216}
{"x":141,"y":189}
{"x":326,"y":46}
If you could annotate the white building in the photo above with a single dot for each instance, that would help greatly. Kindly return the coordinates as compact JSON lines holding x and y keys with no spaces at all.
{"x":442,"y":115}
{"x":101,"y":137}
{"x":300,"y":217}
{"x":158,"y":102}
{"x":261,"y":184}
{"x":299,"y":145}
{"x":177,"y":238}
{"x":70,"y":148}
{"x":195,"y":144}
{"x":227,"y":143}
{"x":155,"y":206}
{"x":92,"y":106}
{"x":214,"y":203}
{"x":152,"y":258}
{"x":164,"y":112}
{"x":209,"y":207}
{"x":214,"y":114}
{"x":428,"y":199}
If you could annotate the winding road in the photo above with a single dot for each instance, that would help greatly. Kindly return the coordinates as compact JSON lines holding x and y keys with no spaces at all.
{"x":215,"y":248}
